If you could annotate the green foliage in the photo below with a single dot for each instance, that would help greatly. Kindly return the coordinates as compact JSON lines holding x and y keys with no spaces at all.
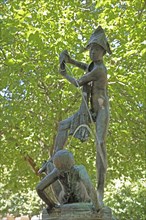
{"x":34,"y":97}
{"x":127,"y":198}
{"x":21,"y":203}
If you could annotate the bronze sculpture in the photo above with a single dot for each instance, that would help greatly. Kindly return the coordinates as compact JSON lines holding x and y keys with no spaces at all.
{"x":94,"y":106}
{"x":71,"y":183}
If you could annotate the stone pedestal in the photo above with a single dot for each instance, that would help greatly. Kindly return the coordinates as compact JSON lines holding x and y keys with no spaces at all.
{"x":77,"y":211}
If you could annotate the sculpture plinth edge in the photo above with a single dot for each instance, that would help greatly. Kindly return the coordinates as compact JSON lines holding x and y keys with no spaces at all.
{"x":78,"y":211}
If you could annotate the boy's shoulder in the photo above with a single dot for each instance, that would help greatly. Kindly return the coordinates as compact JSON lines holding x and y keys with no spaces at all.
{"x":80,"y":168}
{"x":99,"y":66}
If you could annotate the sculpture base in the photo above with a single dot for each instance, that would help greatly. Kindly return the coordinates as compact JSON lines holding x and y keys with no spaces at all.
{"x":77,"y":211}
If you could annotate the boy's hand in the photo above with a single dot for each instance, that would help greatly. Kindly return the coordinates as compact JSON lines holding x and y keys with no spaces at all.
{"x":64,"y":57}
{"x":62,"y":69}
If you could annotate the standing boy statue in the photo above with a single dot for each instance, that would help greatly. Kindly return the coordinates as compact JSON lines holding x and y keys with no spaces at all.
{"x":94,"y":87}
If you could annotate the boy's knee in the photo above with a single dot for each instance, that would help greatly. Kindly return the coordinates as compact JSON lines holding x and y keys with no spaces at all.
{"x":61,"y":125}
{"x":38,"y":188}
{"x":101,"y":102}
{"x":64,"y":125}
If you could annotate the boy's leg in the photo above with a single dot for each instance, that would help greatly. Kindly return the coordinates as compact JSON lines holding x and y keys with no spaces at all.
{"x":102,"y":122}
{"x":62,"y":134}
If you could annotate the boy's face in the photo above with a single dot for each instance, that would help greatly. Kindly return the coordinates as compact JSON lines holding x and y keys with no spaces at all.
{"x":96,"y":52}
{"x":64,"y":173}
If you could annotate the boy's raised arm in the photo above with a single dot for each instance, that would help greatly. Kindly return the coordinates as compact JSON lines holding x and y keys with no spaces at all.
{"x":65,"y":57}
{"x":81,"y":65}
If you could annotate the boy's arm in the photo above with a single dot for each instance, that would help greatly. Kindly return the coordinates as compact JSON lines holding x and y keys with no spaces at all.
{"x":68,"y":77}
{"x":47,"y":181}
{"x":65,"y":57}
{"x":93,"y":75}
{"x":89,"y":187}
{"x":81,"y":65}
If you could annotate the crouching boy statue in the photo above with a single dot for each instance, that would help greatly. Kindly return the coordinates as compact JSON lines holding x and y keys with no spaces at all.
{"x":75,"y":184}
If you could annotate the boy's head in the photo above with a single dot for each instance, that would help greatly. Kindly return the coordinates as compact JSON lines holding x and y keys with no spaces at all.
{"x":63,"y":160}
{"x":96,"y":52}
{"x":99,"y":38}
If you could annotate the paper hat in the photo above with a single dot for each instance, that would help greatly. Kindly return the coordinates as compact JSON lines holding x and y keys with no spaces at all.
{"x":99,"y":38}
